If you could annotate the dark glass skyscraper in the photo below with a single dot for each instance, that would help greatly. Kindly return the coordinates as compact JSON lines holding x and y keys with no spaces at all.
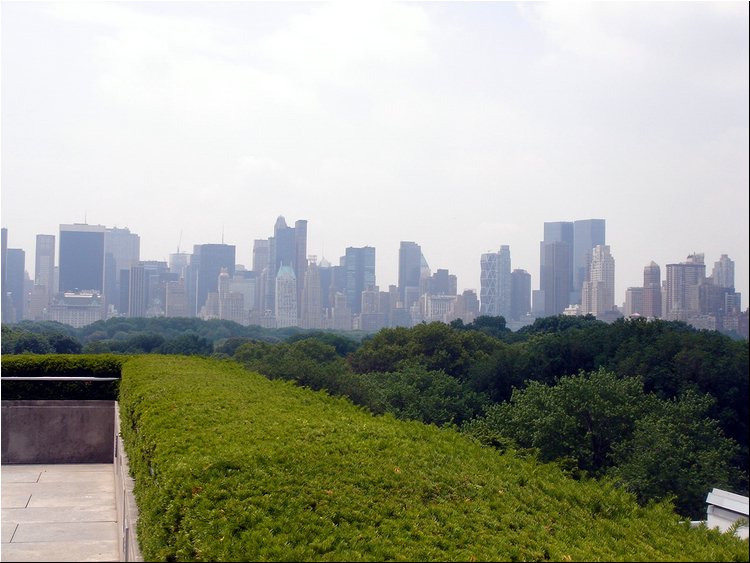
{"x":409,"y":271}
{"x":205,"y":267}
{"x":359,"y":268}
{"x":81,"y":258}
{"x":576,"y":240}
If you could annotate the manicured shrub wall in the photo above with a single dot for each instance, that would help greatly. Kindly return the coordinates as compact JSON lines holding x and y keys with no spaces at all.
{"x":61,"y":365}
{"x":230,"y":466}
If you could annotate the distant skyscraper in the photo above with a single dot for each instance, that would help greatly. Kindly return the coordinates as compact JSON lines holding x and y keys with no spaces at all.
{"x":496,"y":286}
{"x":137,"y":291}
{"x":633,"y":301}
{"x":520,"y":293}
{"x":555,"y":277}
{"x":443,"y":282}
{"x":286,"y":297}
{"x":359,"y":267}
{"x":598,"y":291}
{"x":587,"y":234}
{"x":176,"y":300}
{"x":312,"y":312}
{"x":261,"y":250}
{"x":122,"y":249}
{"x":409,"y":272}
{"x":44,"y":262}
{"x":15,"y":277}
{"x":81,"y":258}
{"x":580,"y":237}
{"x":44,"y":269}
{"x":178,"y":263}
{"x":287,"y":247}
{"x":652,"y":291}
{"x":723,"y":272}
{"x":6,"y":307}
{"x":205,"y":267}
{"x":683,"y":288}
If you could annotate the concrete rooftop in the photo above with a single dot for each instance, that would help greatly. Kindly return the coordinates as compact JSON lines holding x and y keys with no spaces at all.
{"x":59,"y":513}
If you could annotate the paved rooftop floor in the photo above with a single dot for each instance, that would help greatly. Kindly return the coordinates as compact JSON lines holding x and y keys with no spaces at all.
{"x":58,"y":513}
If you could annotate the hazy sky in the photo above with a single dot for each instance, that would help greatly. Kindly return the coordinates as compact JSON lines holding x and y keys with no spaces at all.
{"x":461,"y":126}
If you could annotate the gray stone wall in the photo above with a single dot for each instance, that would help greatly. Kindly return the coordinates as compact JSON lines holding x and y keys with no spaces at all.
{"x":58,"y":431}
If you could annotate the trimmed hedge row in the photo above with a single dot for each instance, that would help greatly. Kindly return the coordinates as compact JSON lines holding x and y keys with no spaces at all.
{"x":61,"y":365}
{"x":230,"y":466}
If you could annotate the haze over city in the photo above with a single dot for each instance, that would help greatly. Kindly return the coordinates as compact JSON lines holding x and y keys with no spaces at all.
{"x":460,"y":126}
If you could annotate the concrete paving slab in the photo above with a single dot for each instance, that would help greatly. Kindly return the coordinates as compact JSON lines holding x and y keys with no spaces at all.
{"x":21,"y":476}
{"x":8,"y":529}
{"x":94,"y":486}
{"x":16,"y":500}
{"x":65,"y":531}
{"x":60,"y":551}
{"x":69,"y":500}
{"x":59,"y":514}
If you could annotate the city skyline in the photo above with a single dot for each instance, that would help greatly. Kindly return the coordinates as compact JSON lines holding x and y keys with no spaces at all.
{"x":551,"y":229}
{"x":463,"y":127}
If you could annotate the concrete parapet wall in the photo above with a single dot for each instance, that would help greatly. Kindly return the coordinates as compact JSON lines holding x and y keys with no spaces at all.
{"x":127,"y":510}
{"x":54,"y":431}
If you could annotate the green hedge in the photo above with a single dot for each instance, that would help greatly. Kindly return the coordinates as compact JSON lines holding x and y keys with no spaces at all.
{"x":61,"y":365}
{"x":230,"y":466}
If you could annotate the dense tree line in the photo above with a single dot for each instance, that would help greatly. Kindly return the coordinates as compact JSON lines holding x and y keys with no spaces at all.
{"x":658,"y":405}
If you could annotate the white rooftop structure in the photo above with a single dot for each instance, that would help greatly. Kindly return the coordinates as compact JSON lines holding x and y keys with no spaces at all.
{"x":724,"y":509}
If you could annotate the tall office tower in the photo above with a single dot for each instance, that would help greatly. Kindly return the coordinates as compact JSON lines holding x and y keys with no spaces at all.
{"x":122,"y":249}
{"x":300,"y":258}
{"x":633,"y":301}
{"x":176,"y":299}
{"x":230,"y":304}
{"x":409,"y":272}
{"x":372,"y":318}
{"x":443,"y":283}
{"x":555,"y":277}
{"x":652,"y":291}
{"x":205,"y":267}
{"x":359,"y":268}
{"x":14,"y":277}
{"x":137,"y":291}
{"x":598,"y":291}
{"x":286,"y":297}
{"x":287,"y":246}
{"x":581,"y":237}
{"x":587,"y":234}
{"x":178,"y":263}
{"x":520,"y":281}
{"x":683,"y":288}
{"x":312,"y":312}
{"x":6,"y":306}
{"x":325,"y":273}
{"x":261,"y":254}
{"x":496,"y":285}
{"x":81,"y":258}
{"x":723,"y":272}
{"x":44,"y":266}
{"x":342,"y":314}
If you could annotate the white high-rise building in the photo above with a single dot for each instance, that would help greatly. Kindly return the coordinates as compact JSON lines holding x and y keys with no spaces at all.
{"x":496,"y":284}
{"x":723,"y":272}
{"x":598,"y":291}
{"x":286,"y":297}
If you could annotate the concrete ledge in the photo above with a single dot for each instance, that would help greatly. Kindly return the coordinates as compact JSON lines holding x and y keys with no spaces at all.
{"x":53,"y":431}
{"x":127,"y":510}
